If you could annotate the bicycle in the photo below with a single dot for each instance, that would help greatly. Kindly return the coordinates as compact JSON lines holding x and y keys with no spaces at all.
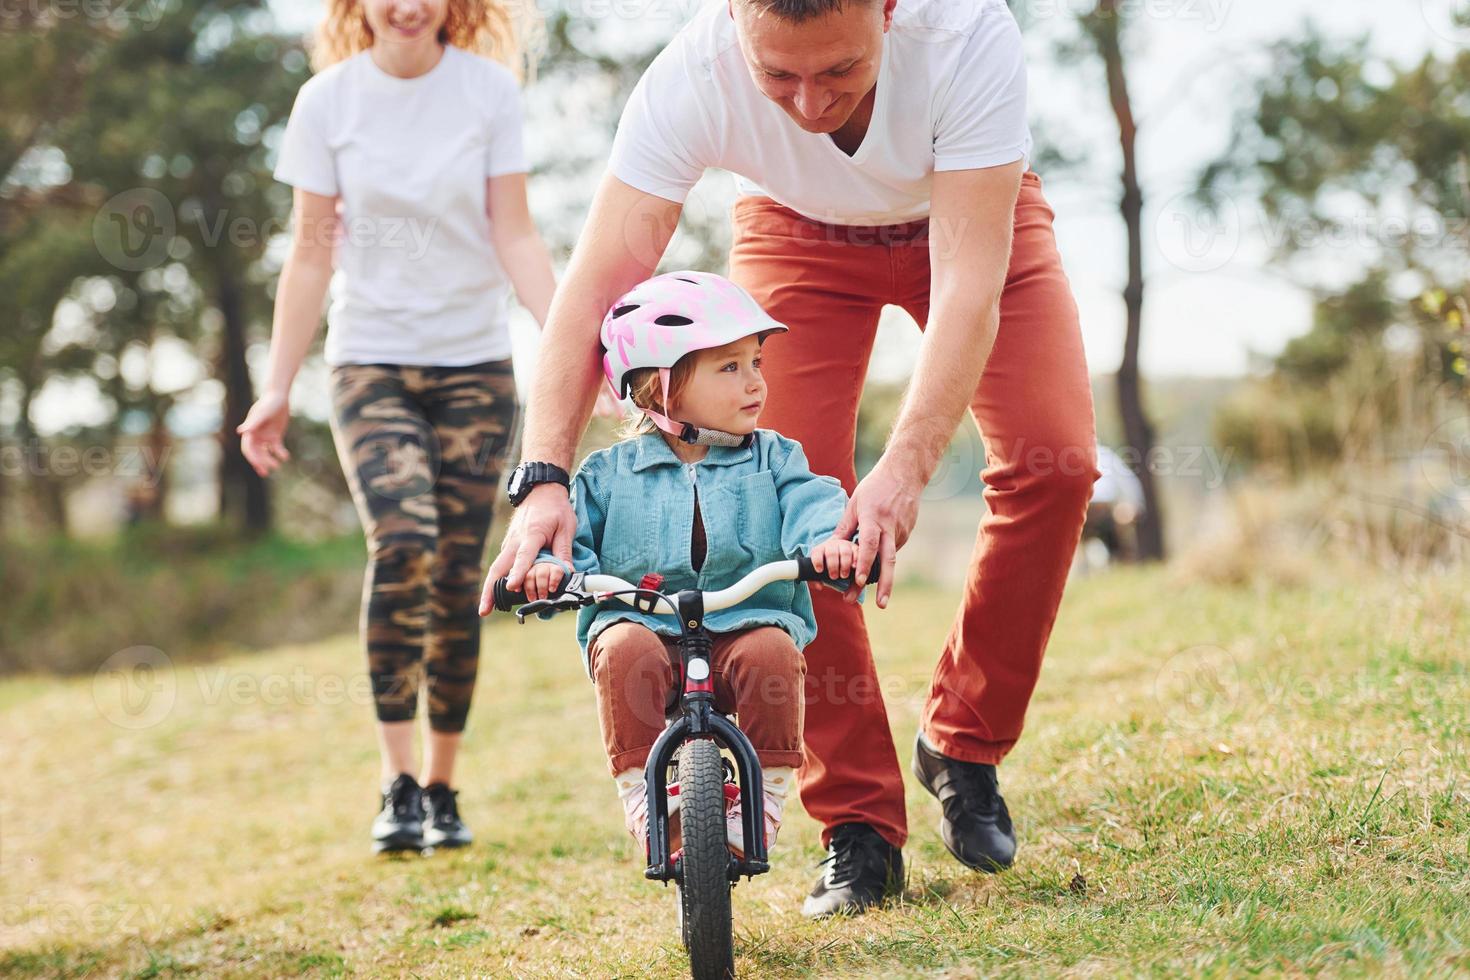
{"x":706,"y":869}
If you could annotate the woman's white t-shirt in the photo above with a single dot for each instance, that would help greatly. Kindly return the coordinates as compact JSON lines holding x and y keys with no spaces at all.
{"x":951,"y":95}
{"x":417,"y":281}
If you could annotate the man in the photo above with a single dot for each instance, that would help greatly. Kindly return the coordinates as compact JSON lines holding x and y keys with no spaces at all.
{"x":881,"y":147}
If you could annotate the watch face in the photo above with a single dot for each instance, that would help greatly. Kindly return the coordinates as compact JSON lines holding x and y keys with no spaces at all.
{"x":517,"y":476}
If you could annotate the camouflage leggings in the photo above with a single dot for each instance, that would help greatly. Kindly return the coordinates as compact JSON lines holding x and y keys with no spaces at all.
{"x":423,"y":448}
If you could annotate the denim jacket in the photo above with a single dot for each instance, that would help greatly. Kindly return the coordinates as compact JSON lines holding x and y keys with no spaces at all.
{"x":634,"y":503}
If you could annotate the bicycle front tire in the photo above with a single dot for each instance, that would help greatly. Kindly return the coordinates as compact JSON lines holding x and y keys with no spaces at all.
{"x":704,"y":880}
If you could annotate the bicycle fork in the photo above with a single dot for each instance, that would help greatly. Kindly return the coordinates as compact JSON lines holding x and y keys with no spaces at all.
{"x":699,"y":719}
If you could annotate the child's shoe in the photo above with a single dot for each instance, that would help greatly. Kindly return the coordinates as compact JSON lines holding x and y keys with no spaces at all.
{"x":633,"y":791}
{"x":776,"y":782}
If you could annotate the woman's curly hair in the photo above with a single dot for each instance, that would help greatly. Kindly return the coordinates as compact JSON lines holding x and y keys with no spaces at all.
{"x":511,"y":32}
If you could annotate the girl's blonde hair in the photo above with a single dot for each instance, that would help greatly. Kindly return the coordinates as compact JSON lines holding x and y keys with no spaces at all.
{"x":646,"y":391}
{"x":511,"y":32}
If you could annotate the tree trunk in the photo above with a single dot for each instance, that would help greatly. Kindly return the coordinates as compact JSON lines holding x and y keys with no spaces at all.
{"x":243,"y":494}
{"x":48,"y":490}
{"x":152,"y":493}
{"x":1137,"y":430}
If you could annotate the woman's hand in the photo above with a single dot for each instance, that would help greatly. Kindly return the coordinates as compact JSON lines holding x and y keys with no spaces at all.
{"x":834,"y":556}
{"x":543,"y":579}
{"x":263,"y":431}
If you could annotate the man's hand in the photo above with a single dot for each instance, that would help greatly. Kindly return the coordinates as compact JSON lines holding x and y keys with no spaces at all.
{"x":883,"y":510}
{"x":545,"y":515}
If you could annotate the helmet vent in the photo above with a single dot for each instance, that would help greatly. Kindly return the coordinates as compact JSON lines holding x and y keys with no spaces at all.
{"x":624,"y":309}
{"x":673,"y":320}
{"x":691,"y":282}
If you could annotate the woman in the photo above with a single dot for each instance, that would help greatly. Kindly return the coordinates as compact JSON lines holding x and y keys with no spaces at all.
{"x":405,"y":154}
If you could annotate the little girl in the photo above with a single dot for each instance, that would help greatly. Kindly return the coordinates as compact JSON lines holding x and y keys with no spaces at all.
{"x":701,"y":501}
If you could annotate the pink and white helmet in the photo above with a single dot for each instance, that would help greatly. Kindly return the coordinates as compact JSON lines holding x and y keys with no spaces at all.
{"x":661,"y":319}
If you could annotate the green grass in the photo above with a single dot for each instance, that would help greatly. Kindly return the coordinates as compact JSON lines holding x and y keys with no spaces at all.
{"x":186,"y":591}
{"x":1213,"y":781}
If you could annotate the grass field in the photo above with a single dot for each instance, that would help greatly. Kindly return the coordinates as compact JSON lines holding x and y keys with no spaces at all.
{"x":1213,"y":781}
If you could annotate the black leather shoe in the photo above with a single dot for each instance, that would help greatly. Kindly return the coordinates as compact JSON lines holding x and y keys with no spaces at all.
{"x":442,"y":825}
{"x":862,"y":869}
{"x":399,"y":826}
{"x":976,"y":825}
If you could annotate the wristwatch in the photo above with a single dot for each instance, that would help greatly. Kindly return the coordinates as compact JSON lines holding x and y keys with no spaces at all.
{"x":528,"y":475}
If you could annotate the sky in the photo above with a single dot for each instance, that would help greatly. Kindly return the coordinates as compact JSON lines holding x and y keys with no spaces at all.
{"x":1213,"y":293}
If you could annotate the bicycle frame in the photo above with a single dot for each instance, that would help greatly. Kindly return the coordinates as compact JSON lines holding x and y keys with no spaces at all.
{"x":697,"y":715}
{"x":699,"y":719}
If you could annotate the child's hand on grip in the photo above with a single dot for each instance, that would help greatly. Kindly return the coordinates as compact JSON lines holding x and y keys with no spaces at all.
{"x":835,"y":556}
{"x":542,"y":580}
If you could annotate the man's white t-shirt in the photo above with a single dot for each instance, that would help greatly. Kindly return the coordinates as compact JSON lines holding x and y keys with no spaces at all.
{"x":417,"y":279}
{"x":951,"y":95}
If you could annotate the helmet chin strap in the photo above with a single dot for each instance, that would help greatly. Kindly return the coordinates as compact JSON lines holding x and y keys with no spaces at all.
{"x":692,"y":434}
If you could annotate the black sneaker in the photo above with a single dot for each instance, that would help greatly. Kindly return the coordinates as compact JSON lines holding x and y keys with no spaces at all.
{"x":862,"y":869}
{"x":976,"y":825}
{"x":399,"y":826}
{"x":442,"y":826}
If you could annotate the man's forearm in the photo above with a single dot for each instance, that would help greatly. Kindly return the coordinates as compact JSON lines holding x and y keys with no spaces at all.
{"x":952,"y":358}
{"x":608,"y":260}
{"x":567,"y":376}
{"x":966,"y":279}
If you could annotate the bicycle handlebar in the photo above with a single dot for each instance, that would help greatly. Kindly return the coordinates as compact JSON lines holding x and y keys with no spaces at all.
{"x":600,"y":587}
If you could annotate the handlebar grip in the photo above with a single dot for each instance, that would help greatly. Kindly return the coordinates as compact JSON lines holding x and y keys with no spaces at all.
{"x":807,"y":573}
{"x":506,"y":598}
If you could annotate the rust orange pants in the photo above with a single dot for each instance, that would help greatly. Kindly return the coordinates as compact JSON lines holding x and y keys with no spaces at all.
{"x":1033,"y":407}
{"x":757,"y":675}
